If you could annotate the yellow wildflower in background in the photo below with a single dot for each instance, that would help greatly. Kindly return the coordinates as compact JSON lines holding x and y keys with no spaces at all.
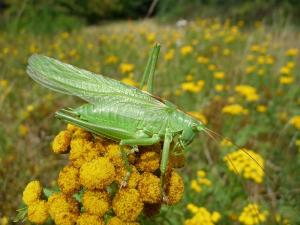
{"x":295,"y":121}
{"x":202,"y":60}
{"x":235,"y":109}
{"x":212,"y":67}
{"x":202,"y":216}
{"x":219,"y":75}
{"x":251,"y":215}
{"x":261,"y":108}
{"x":126,"y":67}
{"x":186,"y":49}
{"x":169,"y":55}
{"x":247,"y":163}
{"x":151,"y":37}
{"x":285,"y":70}
{"x":292,"y":52}
{"x":286,"y":79}
{"x":111,"y":59}
{"x":4,"y":83}
{"x":219,"y":87}
{"x":194,"y":87}
{"x":4,"y":220}
{"x":23,"y":130}
{"x":130,"y":81}
{"x":197,"y":184}
{"x":248,"y":92}
{"x":199,"y":116}
{"x":226,"y":142}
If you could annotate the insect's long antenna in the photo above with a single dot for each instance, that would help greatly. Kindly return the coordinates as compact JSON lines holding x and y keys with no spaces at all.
{"x":209,"y":133}
{"x":239,"y":147}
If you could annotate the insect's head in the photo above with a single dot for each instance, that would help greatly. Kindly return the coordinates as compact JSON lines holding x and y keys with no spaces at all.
{"x":188,"y":134}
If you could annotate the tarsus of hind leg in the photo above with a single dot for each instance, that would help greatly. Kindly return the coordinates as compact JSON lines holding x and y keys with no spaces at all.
{"x":127,"y":165}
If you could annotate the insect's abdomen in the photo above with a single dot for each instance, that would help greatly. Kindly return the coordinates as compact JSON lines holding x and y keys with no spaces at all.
{"x":123,"y":116}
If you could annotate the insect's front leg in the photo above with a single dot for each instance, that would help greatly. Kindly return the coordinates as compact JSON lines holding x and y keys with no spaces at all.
{"x":164,"y":161}
{"x":134,"y":142}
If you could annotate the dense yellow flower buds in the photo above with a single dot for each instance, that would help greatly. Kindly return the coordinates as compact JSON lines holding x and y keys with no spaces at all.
{"x":38,"y":212}
{"x":247,"y":163}
{"x":148,"y":161}
{"x":251,"y":215}
{"x":98,"y":184}
{"x":88,"y":219}
{"x":96,"y":202}
{"x":97,"y":174}
{"x":32,"y":192}
{"x":202,"y":216}
{"x":175,"y":188}
{"x":116,"y":221}
{"x":127,"y":204}
{"x":61,"y":142}
{"x":149,"y":188}
{"x":63,"y":209}
{"x":68,"y":180}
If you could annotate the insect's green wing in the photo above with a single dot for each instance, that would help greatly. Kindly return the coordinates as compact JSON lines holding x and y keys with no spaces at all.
{"x":68,"y":79}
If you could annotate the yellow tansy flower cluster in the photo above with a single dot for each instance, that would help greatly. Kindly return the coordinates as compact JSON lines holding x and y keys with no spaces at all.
{"x":193,"y":87}
{"x":199,"y":116}
{"x":197,"y":184}
{"x":248,"y":92}
{"x":252,"y":215}
{"x":126,"y":67}
{"x":202,"y":216}
{"x":37,"y":208}
{"x":186,"y":49}
{"x":234,"y":109}
{"x":96,"y":183}
{"x":295,"y":121}
{"x":247,"y":163}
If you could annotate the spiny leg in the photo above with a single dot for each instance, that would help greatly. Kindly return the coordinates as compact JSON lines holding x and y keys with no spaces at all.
{"x":148,"y":75}
{"x":164,"y":161}
{"x":134,"y":142}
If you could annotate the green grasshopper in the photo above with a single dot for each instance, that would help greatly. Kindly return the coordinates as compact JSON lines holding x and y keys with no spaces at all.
{"x":118,"y":111}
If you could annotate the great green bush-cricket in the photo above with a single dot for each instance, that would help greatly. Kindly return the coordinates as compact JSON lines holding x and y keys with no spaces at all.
{"x":116,"y":110}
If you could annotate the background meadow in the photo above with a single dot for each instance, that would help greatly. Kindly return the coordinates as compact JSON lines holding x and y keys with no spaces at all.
{"x":237,"y":72}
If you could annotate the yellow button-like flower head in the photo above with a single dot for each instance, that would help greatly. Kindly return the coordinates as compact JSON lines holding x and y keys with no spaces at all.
{"x":88,"y":219}
{"x":32,"y":192}
{"x":61,"y":142}
{"x":149,"y":188}
{"x":68,"y":180}
{"x":38,"y":212}
{"x":127,"y":204}
{"x":97,"y":174}
{"x":96,"y":202}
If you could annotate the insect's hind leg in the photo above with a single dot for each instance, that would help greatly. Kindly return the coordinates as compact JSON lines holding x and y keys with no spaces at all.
{"x":134,"y":142}
{"x":148,"y":75}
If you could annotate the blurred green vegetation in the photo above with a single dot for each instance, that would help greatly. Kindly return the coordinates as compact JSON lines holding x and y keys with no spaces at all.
{"x":52,"y":16}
